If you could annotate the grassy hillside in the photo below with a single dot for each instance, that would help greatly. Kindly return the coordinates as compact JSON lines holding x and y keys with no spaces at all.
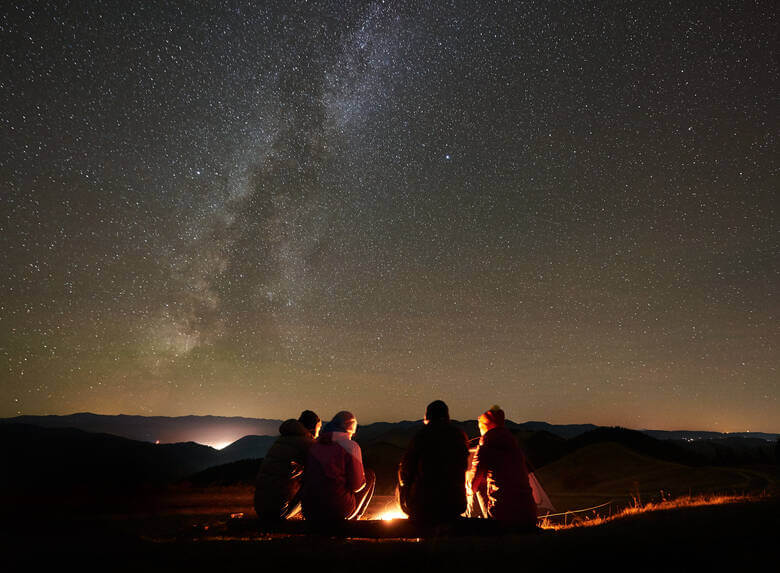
{"x":606,"y":471}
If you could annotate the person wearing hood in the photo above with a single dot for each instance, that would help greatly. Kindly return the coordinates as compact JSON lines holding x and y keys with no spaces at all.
{"x":500,"y":479}
{"x":337,"y":485}
{"x":431,"y":477}
{"x":279,"y":481}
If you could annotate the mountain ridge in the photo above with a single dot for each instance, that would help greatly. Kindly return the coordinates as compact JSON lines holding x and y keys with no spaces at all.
{"x":221,"y":431}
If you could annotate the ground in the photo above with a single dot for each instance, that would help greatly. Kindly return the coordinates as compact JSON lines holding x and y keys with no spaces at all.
{"x":188,"y":535}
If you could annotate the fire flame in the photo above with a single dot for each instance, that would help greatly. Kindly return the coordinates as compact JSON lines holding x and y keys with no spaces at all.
{"x":391,"y":511}
{"x":391,"y":515}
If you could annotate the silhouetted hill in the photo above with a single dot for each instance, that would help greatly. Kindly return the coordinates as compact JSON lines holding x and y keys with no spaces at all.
{"x":608,"y":471}
{"x":218,"y":431}
{"x":566,"y":431}
{"x":37,"y":457}
{"x":210,"y":430}
{"x":731,"y":451}
{"x":241,"y":472}
{"x":64,"y":458}
{"x":248,"y":447}
{"x":540,"y":447}
{"x":694,"y":435}
{"x":397,"y":434}
{"x":638,"y":442}
{"x":370,"y":432}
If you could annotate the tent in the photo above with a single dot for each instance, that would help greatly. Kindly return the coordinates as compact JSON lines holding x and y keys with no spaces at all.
{"x":543,"y":503}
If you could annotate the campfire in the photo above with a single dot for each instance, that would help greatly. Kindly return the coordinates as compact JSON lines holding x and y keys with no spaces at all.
{"x":391,"y":511}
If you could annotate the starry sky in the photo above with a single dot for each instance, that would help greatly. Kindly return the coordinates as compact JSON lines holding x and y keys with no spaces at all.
{"x":250,"y":208}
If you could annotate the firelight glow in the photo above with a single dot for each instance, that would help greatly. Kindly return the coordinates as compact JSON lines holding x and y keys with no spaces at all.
{"x":392,"y":514}
{"x":676,"y":503}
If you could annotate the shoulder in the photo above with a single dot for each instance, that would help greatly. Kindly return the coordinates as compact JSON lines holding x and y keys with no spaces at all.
{"x":458,"y":433}
{"x":352,"y":447}
{"x":293,"y":427}
{"x":419,"y":437}
{"x":501,"y":437}
{"x":348,"y":445}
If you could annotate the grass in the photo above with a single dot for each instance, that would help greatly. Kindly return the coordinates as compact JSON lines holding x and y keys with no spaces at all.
{"x":570,"y":520}
{"x":608,"y":472}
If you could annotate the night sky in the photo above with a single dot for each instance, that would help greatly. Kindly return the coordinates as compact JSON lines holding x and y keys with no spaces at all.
{"x":252,"y":208}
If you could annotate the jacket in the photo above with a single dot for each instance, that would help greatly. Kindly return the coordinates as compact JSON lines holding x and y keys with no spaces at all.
{"x":500,"y":471}
{"x":432,"y":483}
{"x":334,"y":474}
{"x":279,"y":478}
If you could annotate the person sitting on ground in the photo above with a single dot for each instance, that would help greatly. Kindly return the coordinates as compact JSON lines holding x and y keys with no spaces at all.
{"x":431,"y":477}
{"x":337,"y":486}
{"x":500,"y":480}
{"x":279,"y":481}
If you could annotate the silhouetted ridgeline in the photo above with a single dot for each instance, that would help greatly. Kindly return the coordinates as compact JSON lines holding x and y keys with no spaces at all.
{"x":563,"y":430}
{"x":242,"y":472}
{"x":382,"y":451}
{"x":732,"y":451}
{"x":639,"y":442}
{"x":64,"y":459}
{"x":67,"y":458}
{"x":168,"y":430}
{"x":212,"y":430}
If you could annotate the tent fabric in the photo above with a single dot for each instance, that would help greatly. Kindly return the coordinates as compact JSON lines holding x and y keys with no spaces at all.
{"x":543,"y":503}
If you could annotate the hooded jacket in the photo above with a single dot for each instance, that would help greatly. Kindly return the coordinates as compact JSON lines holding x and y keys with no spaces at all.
{"x":500,"y":471}
{"x":334,"y":474}
{"x":432,"y":483}
{"x":279,"y":478}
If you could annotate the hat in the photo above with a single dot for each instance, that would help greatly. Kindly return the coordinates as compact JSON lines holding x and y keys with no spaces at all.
{"x":340,"y":422}
{"x":494,"y":417}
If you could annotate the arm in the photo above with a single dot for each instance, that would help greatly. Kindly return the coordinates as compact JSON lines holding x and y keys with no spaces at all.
{"x":479,"y":473}
{"x":481,"y":464}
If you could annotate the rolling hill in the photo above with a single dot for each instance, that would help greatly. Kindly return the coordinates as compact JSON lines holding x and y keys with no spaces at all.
{"x":214,"y":431}
{"x":602,"y":471}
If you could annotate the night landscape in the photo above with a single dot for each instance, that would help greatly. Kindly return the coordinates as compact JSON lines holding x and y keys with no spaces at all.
{"x":216,"y":215}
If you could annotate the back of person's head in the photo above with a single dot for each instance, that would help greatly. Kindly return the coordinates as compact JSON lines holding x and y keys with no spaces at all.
{"x":344,"y":421}
{"x":437,"y":411}
{"x":493,"y":418}
{"x":309,"y":420}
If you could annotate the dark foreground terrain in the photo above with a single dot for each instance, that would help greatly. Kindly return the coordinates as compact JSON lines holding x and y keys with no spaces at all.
{"x":77,"y":500}
{"x":740,"y":537}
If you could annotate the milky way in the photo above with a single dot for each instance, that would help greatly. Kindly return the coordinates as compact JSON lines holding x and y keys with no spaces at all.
{"x":253,"y":208}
